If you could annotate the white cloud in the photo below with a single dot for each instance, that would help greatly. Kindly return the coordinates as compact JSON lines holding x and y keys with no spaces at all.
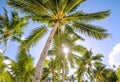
{"x":114,"y":56}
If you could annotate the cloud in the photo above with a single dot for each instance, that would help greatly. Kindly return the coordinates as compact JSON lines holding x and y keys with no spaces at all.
{"x":114,"y":56}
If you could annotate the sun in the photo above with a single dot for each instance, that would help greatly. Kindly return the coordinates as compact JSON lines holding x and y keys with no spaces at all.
{"x":65,"y":50}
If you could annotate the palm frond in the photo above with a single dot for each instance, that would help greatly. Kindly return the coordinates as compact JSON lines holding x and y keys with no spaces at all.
{"x":34,"y":37}
{"x":19,"y":25}
{"x":52,"y":6}
{"x":6,"y":19}
{"x":42,"y":19}
{"x":29,"y":6}
{"x":92,"y":31}
{"x":62,"y":5}
{"x":98,"y":57}
{"x":72,"y":5}
{"x":80,"y":49}
{"x":71,"y":60}
{"x":15,"y":38}
{"x":69,"y":30}
{"x":87,"y":17}
{"x":25,"y":67}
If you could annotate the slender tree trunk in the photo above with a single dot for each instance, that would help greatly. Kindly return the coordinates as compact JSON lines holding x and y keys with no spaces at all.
{"x":63,"y":73}
{"x":63,"y":70}
{"x":39,"y":67}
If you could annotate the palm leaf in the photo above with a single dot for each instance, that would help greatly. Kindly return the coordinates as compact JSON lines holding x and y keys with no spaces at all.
{"x":98,"y":57}
{"x":6,"y":19}
{"x":29,"y":6}
{"x":87,"y":17}
{"x":15,"y":38}
{"x":20,"y":25}
{"x":72,"y":5}
{"x":42,"y":19}
{"x":69,"y":30}
{"x":35,"y":36}
{"x":25,"y":67}
{"x":71,"y":60}
{"x":90,"y":30}
{"x":79,"y":49}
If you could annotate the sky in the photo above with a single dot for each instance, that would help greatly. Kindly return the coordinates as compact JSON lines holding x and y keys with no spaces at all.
{"x":109,"y":47}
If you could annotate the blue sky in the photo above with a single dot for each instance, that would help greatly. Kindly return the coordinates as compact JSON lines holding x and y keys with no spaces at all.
{"x":109,"y":47}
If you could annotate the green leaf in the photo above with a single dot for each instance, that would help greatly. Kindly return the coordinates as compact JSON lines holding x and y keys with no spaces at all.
{"x":80,"y":49}
{"x":34,"y":37}
{"x":91,"y":30}
{"x":87,"y":17}
{"x":29,"y":6}
{"x":69,"y":30}
{"x":72,"y":5}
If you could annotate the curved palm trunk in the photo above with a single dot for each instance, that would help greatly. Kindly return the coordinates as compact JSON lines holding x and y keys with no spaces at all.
{"x":63,"y":71}
{"x":39,"y":67}
{"x":63,"y":74}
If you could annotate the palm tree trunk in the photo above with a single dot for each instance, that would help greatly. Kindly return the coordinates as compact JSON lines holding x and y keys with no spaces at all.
{"x":63,"y":71}
{"x":39,"y":67}
{"x":63,"y":74}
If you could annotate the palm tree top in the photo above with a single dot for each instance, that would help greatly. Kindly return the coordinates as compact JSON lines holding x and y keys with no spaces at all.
{"x":52,"y":10}
{"x":62,"y":11}
{"x":11,"y":27}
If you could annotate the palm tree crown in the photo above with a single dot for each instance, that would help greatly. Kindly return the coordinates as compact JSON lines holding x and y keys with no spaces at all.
{"x":64,"y":11}
{"x":11,"y":28}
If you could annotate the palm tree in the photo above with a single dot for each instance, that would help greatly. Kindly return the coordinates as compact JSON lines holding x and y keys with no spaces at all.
{"x":11,"y":28}
{"x":22,"y":69}
{"x":59,"y":13}
{"x":103,"y":74}
{"x":86,"y":65}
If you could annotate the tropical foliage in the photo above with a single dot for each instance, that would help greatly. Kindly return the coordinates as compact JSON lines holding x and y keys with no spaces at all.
{"x":118,"y":74}
{"x":16,"y":71}
{"x":11,"y":28}
{"x":58,"y":14}
{"x":22,"y":69}
{"x":61,"y":53}
{"x":5,"y":75}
